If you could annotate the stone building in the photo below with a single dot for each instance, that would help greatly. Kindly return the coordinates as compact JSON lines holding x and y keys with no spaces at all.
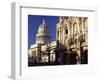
{"x":38,"y":52}
{"x":72,"y":35}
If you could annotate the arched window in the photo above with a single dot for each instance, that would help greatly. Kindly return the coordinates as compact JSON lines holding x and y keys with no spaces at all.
{"x":75,"y":41}
{"x":71,"y":40}
{"x":80,"y":24}
{"x":71,"y":30}
{"x":85,"y":25}
{"x":58,"y":33}
{"x":66,"y":31}
{"x":75,"y":28}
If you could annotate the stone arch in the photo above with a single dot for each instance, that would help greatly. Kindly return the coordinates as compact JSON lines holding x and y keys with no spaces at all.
{"x":75,"y":27}
{"x":66,"y":30}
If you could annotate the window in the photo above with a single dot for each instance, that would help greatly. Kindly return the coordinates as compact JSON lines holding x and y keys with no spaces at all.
{"x":58,"y":34}
{"x":75,"y":27}
{"x":66,"y":31}
{"x":71,"y":40}
{"x":75,"y":41}
{"x":85,"y":25}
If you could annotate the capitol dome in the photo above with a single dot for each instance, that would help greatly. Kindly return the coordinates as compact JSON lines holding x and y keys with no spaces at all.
{"x":43,"y":29}
{"x":43,"y":35}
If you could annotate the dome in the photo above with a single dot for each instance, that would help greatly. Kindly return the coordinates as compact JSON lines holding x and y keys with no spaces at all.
{"x":43,"y":29}
{"x":43,"y":35}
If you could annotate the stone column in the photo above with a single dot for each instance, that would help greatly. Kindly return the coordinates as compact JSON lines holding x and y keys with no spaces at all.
{"x":36,"y":54}
{"x":63,"y":35}
{"x":59,"y":35}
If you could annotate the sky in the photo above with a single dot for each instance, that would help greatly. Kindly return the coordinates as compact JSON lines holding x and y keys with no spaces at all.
{"x":33,"y":23}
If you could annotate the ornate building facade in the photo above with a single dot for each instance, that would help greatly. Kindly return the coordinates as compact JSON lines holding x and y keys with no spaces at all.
{"x":72,"y":34}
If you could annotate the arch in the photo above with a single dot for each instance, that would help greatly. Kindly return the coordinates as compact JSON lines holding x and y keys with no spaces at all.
{"x":75,"y":27}
{"x":80,"y":19}
{"x":85,"y":27}
{"x":85,"y":24}
{"x":80,"y":24}
{"x":66,"y":30}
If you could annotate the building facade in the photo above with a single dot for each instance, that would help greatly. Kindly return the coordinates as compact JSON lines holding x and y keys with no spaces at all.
{"x":42,"y":51}
{"x":72,"y":34}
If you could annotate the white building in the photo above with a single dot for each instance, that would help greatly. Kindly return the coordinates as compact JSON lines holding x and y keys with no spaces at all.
{"x":43,"y":41}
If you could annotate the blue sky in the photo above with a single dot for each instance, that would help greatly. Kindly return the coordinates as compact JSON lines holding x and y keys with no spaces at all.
{"x":33,"y":23}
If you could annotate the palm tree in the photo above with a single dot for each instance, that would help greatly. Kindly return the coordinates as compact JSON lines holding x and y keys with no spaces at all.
{"x":48,"y":49}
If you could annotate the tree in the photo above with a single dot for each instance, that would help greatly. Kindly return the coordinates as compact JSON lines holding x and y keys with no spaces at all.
{"x":48,"y":49}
